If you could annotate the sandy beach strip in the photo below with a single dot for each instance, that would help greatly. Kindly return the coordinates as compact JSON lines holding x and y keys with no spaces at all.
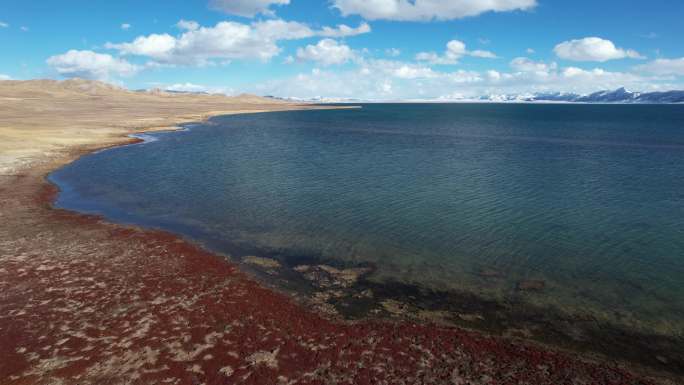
{"x":84,"y":301}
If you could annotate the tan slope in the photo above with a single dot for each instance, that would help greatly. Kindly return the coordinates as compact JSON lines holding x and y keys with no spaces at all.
{"x":42,"y":117}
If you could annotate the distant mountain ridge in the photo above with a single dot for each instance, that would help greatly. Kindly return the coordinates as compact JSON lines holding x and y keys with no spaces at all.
{"x":620,"y":95}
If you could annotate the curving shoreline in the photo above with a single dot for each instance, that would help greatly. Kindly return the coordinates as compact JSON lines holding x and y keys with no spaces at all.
{"x":84,"y":300}
{"x":116,"y":311}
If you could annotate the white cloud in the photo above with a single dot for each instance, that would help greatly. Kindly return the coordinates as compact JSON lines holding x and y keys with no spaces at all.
{"x":343,"y":30}
{"x":426,"y":10}
{"x":393,"y":52}
{"x":433,"y":58}
{"x":24,"y":28}
{"x":493,"y":75}
{"x":483,"y":54}
{"x":530,"y":51}
{"x":523,"y":64}
{"x":5,"y":77}
{"x":3,"y":24}
{"x":327,"y":52}
{"x":186,"y":87}
{"x":246,"y":8}
{"x":376,"y":79}
{"x":126,"y":26}
{"x":454,"y":52}
{"x":191,"y":87}
{"x":408,"y":71}
{"x":593,"y":49}
{"x":155,"y":46}
{"x":464,"y":77}
{"x":188,"y":25}
{"x":91,"y":65}
{"x":664,"y":67}
{"x":227,"y":40}
{"x":538,"y":76}
{"x":283,"y":30}
{"x":395,"y":69}
{"x":601,"y":79}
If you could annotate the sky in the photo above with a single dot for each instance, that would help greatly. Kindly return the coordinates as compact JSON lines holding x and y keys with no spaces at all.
{"x":356,"y":49}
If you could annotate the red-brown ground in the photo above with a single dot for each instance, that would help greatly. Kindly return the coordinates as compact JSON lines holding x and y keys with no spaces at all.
{"x":83,"y":301}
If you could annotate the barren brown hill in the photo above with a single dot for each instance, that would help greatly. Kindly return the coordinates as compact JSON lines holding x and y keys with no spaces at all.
{"x":43,"y":117}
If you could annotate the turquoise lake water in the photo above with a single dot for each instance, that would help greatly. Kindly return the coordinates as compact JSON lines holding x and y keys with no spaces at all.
{"x":587,"y":198}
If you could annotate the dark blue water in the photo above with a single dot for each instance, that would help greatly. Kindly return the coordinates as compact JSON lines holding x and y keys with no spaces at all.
{"x":588,"y":198}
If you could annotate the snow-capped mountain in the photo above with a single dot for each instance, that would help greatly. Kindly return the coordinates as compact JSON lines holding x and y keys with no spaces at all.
{"x":621,"y":95}
{"x":618,"y":96}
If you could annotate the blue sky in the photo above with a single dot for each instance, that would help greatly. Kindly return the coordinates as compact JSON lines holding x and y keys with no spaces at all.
{"x":368,"y":49}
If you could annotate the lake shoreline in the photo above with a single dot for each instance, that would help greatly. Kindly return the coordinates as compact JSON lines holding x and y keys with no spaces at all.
{"x":201,"y":263}
{"x":85,"y":300}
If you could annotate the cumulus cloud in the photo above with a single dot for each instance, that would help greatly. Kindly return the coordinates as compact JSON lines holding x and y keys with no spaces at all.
{"x":593,"y":49}
{"x":327,"y":52}
{"x":395,"y":69}
{"x":91,"y":65}
{"x":154,"y":45}
{"x":601,"y":79}
{"x":343,"y":30}
{"x":379,"y":79}
{"x":410,"y":71}
{"x":3,"y":24}
{"x":373,"y":79}
{"x":198,"y":88}
{"x":455,"y":50}
{"x":246,"y":8}
{"x":551,"y":77}
{"x":226,"y":40}
{"x":483,"y":54}
{"x":426,"y":10}
{"x":523,"y":64}
{"x":664,"y":67}
{"x":188,"y":25}
{"x":125,"y":26}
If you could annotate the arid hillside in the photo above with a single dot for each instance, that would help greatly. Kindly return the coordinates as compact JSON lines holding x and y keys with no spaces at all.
{"x":42,"y":117}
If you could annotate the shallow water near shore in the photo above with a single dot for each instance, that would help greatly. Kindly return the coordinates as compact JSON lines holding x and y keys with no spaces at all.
{"x":575,"y":207}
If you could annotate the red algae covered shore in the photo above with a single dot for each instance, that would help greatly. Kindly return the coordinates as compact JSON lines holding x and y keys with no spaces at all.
{"x":83,"y":301}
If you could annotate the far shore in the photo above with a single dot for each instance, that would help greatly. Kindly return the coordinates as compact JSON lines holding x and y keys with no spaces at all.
{"x":86,"y":301}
